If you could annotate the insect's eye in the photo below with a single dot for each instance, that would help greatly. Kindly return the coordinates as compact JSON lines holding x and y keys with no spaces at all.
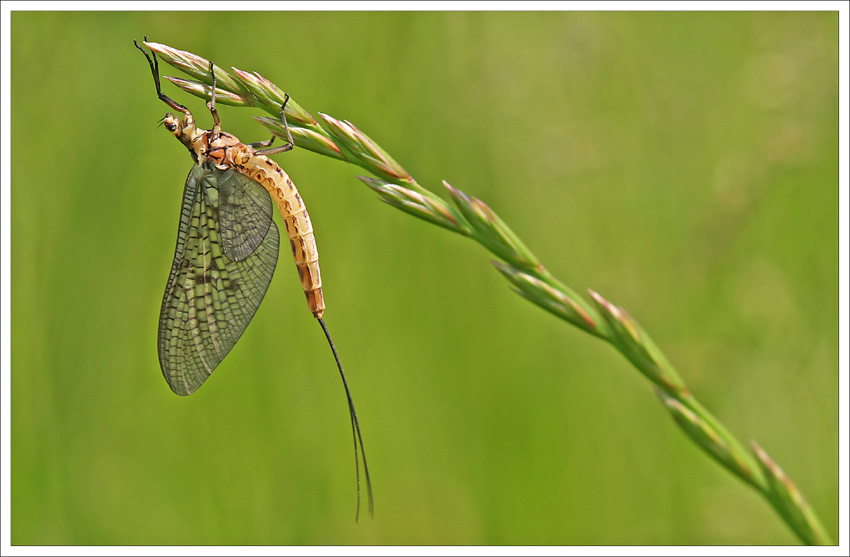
{"x":170,"y":122}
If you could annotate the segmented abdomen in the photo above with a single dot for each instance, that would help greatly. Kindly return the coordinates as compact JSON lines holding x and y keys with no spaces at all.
{"x":299,"y":229}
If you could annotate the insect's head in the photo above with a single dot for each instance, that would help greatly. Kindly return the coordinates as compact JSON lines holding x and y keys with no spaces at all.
{"x":183,"y":127}
{"x":172,"y":124}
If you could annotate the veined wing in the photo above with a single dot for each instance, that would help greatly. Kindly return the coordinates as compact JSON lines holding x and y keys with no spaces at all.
{"x":227,"y":248}
{"x":245,"y":213}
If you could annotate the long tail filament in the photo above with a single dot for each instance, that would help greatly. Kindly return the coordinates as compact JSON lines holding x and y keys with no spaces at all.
{"x":355,"y":432}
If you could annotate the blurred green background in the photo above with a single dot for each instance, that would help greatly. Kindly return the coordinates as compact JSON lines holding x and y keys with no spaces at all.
{"x":684,"y":165}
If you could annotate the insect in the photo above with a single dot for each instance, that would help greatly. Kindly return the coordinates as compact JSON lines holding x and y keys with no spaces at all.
{"x":227,"y":249}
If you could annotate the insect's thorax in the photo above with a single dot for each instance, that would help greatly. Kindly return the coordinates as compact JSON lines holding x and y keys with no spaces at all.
{"x":222,"y":150}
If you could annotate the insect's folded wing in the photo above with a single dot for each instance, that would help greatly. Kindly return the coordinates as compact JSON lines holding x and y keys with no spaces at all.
{"x":245,"y":210}
{"x":211,"y":297}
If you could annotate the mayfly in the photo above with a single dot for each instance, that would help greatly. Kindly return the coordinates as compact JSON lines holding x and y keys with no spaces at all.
{"x":227,"y":248}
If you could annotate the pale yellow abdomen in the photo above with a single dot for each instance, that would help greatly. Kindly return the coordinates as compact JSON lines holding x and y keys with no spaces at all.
{"x":299,"y":229}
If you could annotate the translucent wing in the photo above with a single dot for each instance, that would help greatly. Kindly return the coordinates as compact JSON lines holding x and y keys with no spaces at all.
{"x":245,"y":212}
{"x":227,"y":247}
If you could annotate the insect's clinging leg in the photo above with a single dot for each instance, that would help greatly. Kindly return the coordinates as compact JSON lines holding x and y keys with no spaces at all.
{"x":289,"y":142}
{"x":154,"y":64}
{"x":262,"y":143}
{"x":211,"y":105}
{"x":285,"y":124}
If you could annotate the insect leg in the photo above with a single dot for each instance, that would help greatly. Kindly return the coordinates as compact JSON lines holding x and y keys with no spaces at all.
{"x":262,"y":143}
{"x":154,"y":64}
{"x":289,"y":142}
{"x":211,"y":105}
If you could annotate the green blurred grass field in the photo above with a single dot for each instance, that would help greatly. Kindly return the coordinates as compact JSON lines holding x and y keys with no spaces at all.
{"x":684,"y":165}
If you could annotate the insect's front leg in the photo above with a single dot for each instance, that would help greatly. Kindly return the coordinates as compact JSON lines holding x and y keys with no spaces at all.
{"x":154,"y":64}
